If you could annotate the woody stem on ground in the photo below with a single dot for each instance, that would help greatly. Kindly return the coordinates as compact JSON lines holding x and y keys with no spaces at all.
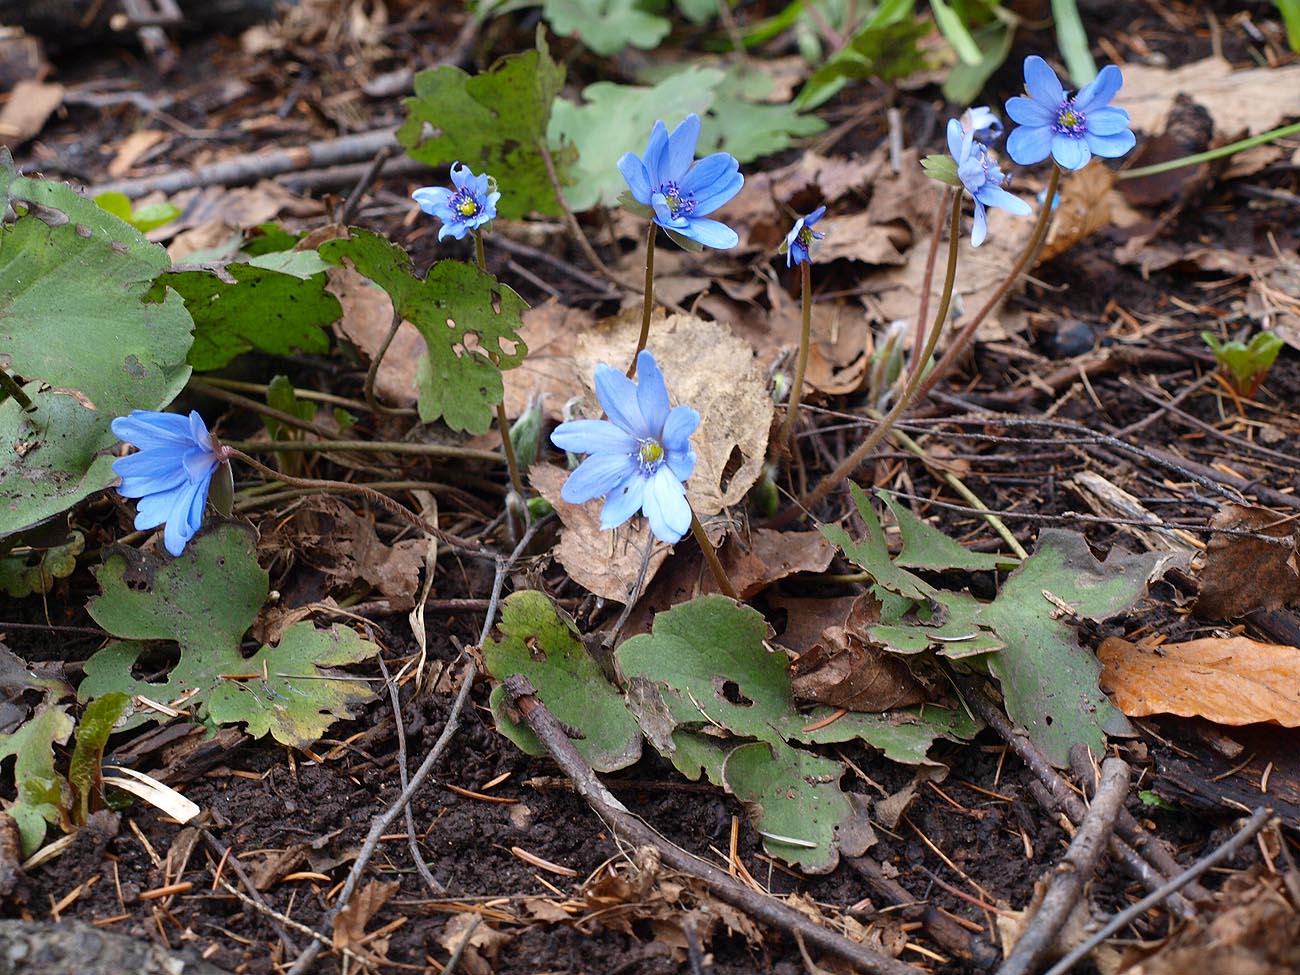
{"x":711,"y":557}
{"x":516,"y":480}
{"x":783,"y":445}
{"x":649,"y":298}
{"x":850,"y":463}
{"x":10,"y":387}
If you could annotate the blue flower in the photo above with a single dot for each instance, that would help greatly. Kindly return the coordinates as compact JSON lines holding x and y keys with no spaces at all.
{"x":1070,"y":129}
{"x":170,"y":473}
{"x":800,"y":238}
{"x":680,"y":193}
{"x":982,"y":179}
{"x":466,"y":208}
{"x":982,"y":123}
{"x":639,"y":457}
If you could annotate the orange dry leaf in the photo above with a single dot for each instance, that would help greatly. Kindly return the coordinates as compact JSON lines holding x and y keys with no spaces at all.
{"x":1230,"y":681}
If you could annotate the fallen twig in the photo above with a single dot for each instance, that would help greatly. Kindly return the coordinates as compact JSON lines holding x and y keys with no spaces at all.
{"x":254,"y":896}
{"x":1073,"y":872}
{"x":762,"y":908}
{"x":1252,"y":826}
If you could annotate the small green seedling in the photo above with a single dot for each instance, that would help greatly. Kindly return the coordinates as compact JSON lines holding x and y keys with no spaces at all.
{"x":143,"y":218}
{"x":1244,"y":364}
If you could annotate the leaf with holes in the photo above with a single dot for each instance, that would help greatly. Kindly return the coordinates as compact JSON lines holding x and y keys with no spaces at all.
{"x":872,"y":553}
{"x":543,"y":645}
{"x":203,"y":603}
{"x":42,"y":793}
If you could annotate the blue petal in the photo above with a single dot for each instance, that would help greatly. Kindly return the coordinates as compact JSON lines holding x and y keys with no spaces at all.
{"x":453,"y":228}
{"x":710,"y":233}
{"x":1099,"y":91}
{"x":638,"y":181}
{"x":681,"y":149}
{"x":681,"y":423}
{"x":996,"y":196}
{"x":432,"y":199}
{"x":1029,"y":144}
{"x":656,"y":150}
{"x":149,"y":472}
{"x":681,"y":464}
{"x":198,"y":463}
{"x":597,"y":475}
{"x":186,"y":515}
{"x":651,"y":393}
{"x":199,"y":430}
{"x":707,"y":172}
{"x":664,"y":214}
{"x":1111,"y":146}
{"x":1107,"y":121}
{"x":1041,"y":82}
{"x":1026,"y":111}
{"x":460,"y":175}
{"x":813,"y":217}
{"x":592,"y":437}
{"x":666,"y":506}
{"x":980,"y":228}
{"x":617,"y":395}
{"x":147,"y":428}
{"x":154,"y":509}
{"x":718,"y":194}
{"x":954,"y":138}
{"x":1069,"y":152}
{"x":623,"y":503}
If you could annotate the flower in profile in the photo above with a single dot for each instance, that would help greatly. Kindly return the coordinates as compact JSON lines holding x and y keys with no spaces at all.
{"x":679,"y":193}
{"x":639,"y":457}
{"x":982,"y":178}
{"x":1071,"y":129}
{"x":469,"y":206}
{"x":980,"y":121}
{"x":170,"y":473}
{"x":800,"y":238}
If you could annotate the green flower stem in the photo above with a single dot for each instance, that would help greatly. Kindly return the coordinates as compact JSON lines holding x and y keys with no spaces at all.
{"x":850,"y":463}
{"x":345,"y":487}
{"x":711,"y":557}
{"x":512,"y":464}
{"x":446,"y":451}
{"x":1212,"y":154}
{"x":783,"y":441}
{"x":649,"y":298}
{"x":10,"y":387}
{"x":963,"y":338}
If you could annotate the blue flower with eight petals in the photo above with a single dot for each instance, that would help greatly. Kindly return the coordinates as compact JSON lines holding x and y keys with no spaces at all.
{"x":639,"y":457}
{"x":1070,"y":129}
{"x":800,"y":238}
{"x":466,"y":208}
{"x":982,"y":178}
{"x":681,"y":194}
{"x":170,"y":473}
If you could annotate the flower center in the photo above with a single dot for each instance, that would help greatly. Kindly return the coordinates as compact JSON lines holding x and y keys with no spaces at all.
{"x":465,"y":204}
{"x":649,"y":453}
{"x":1069,"y":120}
{"x":678,"y":205}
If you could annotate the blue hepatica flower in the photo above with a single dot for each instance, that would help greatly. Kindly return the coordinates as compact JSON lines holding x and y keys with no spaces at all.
{"x":170,"y":473}
{"x":639,"y":457}
{"x":1071,"y":129}
{"x":982,"y":179}
{"x":800,"y":238}
{"x":680,"y":193}
{"x":469,"y":206}
{"x":980,"y":121}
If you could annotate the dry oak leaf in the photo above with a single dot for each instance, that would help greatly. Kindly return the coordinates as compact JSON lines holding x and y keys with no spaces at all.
{"x":1254,"y":100}
{"x":1233,"y":681}
{"x":1242,"y":573}
{"x":350,"y":923}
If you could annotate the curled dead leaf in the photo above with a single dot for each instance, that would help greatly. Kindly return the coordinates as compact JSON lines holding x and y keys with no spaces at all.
{"x":1242,"y":573}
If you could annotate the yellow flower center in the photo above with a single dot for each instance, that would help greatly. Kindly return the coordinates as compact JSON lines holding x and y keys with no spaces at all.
{"x":650,"y":453}
{"x":467,"y":207}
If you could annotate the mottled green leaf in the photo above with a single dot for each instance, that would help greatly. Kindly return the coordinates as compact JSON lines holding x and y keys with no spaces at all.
{"x":42,"y":793}
{"x":925,"y":547}
{"x":34,"y":570}
{"x":871,"y":554}
{"x":607,"y":26}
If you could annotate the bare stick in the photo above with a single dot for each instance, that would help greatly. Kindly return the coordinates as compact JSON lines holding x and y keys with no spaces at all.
{"x":222,"y":854}
{"x":1074,"y":870}
{"x":574,"y":227}
{"x":766,"y":909}
{"x":1253,"y":825}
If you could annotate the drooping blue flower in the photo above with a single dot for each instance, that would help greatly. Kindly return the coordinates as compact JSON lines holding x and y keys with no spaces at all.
{"x":800,"y":238}
{"x":472,"y":204}
{"x":170,"y":473}
{"x":1071,"y":129}
{"x":980,"y":121}
{"x":982,"y":178}
{"x":639,"y":457}
{"x":681,"y":193}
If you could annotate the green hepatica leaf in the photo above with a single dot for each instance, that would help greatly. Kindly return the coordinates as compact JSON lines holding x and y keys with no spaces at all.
{"x":41,"y":791}
{"x":493,"y":123}
{"x":23,"y":573}
{"x":607,"y":26}
{"x":468,"y":319}
{"x":796,"y":804}
{"x":616,"y":119}
{"x":743,"y":123}
{"x":540,"y":643}
{"x":204,"y":602}
{"x":925,"y":547}
{"x":1049,"y":682}
{"x":955,"y":630}
{"x":904,"y":736}
{"x":872,"y":553}
{"x":259,"y":309}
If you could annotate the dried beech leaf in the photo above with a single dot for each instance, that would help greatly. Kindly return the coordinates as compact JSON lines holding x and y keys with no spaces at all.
{"x":1231,"y":681}
{"x":1241,"y":573}
{"x":350,"y":924}
{"x":1083,"y":210}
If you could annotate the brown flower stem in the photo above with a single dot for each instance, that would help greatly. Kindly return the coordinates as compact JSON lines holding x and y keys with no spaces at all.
{"x":783,"y":444}
{"x":923,"y":309}
{"x":512,"y":464}
{"x":711,"y":557}
{"x":649,"y":297}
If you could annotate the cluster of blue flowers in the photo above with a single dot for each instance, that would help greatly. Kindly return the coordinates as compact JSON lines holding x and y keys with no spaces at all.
{"x":640,"y":457}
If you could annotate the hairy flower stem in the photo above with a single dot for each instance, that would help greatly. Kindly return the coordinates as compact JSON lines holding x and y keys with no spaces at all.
{"x":516,"y":481}
{"x":850,"y":464}
{"x":783,"y":441}
{"x":346,"y":487}
{"x":711,"y":557}
{"x":649,"y":298}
